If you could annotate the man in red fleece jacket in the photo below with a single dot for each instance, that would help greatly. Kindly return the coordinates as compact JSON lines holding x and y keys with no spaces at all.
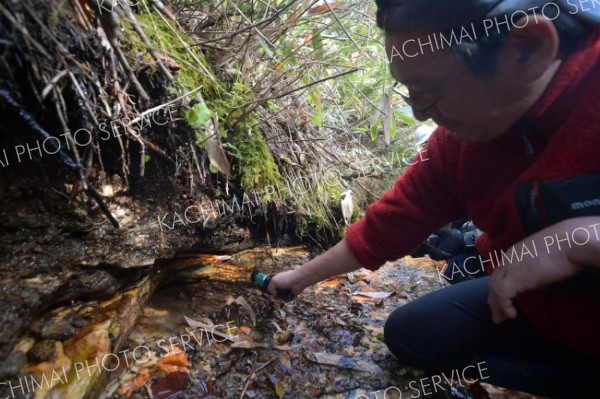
{"x":518,"y":101}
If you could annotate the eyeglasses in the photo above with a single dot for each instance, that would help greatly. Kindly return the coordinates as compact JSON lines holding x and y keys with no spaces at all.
{"x":413,"y":103}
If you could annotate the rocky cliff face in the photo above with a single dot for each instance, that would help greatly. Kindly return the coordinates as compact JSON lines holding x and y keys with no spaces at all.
{"x":102,"y":170}
{"x":54,"y":252}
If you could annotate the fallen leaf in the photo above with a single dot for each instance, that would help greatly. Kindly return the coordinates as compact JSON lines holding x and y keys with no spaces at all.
{"x":170,"y":386}
{"x":343,"y":362}
{"x":375,"y":295}
{"x":240,"y":300}
{"x":277,"y":379}
{"x":196,"y":323}
{"x":375,"y":330}
{"x":284,"y":337}
{"x":245,"y":330}
{"x":174,"y":362}
{"x":248,"y":345}
{"x":169,"y":63}
{"x":217,"y":155}
{"x":130,"y":386}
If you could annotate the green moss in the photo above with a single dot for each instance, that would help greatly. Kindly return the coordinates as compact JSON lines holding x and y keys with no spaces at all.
{"x":229,"y":105}
{"x":53,"y":18}
{"x":194,"y":70}
{"x":320,"y":207}
{"x":257,"y":167}
{"x":329,"y":194}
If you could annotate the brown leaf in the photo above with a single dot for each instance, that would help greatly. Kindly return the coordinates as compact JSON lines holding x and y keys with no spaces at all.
{"x":245,"y":330}
{"x":375,"y":295}
{"x":248,"y":345}
{"x":196,"y":323}
{"x":344,"y":362}
{"x":130,"y":386}
{"x":217,"y":156}
{"x":169,"y":63}
{"x":171,"y":386}
{"x":174,"y":362}
{"x":240,"y":300}
{"x":86,"y":12}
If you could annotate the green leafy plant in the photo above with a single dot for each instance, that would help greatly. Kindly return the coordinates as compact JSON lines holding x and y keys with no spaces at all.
{"x":198,"y":115}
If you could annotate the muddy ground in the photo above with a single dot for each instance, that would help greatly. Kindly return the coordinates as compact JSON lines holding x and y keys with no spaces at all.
{"x":326,"y":343}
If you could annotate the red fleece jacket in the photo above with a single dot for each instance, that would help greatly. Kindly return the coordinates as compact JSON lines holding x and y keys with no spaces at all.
{"x":479,"y":179}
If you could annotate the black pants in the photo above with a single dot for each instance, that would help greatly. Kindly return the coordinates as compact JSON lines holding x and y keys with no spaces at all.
{"x":452,"y":328}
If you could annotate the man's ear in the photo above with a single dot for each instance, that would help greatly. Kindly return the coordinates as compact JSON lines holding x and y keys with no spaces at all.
{"x":530,"y":50}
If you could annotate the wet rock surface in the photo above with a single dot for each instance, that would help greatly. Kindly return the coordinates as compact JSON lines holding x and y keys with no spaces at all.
{"x":42,"y":351}
{"x":54,"y":252}
{"x":12,"y":364}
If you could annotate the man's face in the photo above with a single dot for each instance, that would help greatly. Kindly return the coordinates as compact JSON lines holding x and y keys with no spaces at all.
{"x":474,"y":109}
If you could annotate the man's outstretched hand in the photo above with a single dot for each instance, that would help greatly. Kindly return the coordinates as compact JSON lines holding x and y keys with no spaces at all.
{"x":288,"y":280}
{"x":337,"y":260}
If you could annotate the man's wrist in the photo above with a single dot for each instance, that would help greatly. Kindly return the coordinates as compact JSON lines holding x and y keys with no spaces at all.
{"x":307,"y":275}
{"x":584,"y":234}
{"x":337,"y":260}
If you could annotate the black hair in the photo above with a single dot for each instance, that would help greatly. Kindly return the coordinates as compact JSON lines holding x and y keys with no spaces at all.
{"x":479,"y":54}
